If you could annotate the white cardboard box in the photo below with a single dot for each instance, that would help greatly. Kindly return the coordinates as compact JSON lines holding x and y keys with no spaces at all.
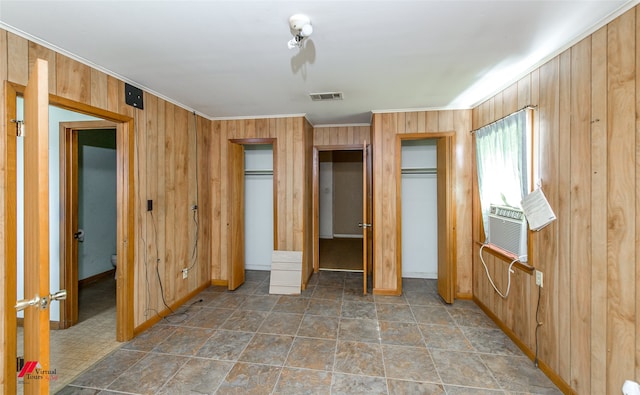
{"x":286,"y":272}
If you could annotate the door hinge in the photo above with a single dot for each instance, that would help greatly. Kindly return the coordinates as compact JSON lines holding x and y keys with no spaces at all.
{"x":19,"y":127}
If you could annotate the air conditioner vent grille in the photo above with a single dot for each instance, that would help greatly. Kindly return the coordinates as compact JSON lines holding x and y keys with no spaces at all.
{"x":324,"y":96}
{"x":508,"y":230}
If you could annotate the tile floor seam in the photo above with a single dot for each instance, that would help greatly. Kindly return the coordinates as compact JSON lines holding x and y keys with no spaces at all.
{"x":174,"y":374}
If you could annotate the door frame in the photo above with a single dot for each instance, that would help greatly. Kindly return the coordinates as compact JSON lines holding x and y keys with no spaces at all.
{"x":69,"y":219}
{"x":232,"y":219}
{"x":316,"y":196}
{"x":125,"y":129}
{"x":447,"y":241}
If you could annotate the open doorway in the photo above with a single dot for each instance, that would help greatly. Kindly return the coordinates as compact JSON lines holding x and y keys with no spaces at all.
{"x":340,"y":210}
{"x":425,"y":205}
{"x":252,"y":207}
{"x":98,"y":301}
{"x":419,"y":200}
{"x":90,"y":180}
{"x":258,"y":206}
{"x":345,"y":239}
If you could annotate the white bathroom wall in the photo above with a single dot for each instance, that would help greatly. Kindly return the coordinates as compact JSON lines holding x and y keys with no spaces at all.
{"x":325,"y":200}
{"x":258,"y":215}
{"x":419,"y":210}
{"x":97,"y":206}
{"x":56,"y":115}
{"x":347,"y":193}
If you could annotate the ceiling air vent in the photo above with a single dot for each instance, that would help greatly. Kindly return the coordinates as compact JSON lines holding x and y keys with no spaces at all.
{"x":326,"y":96}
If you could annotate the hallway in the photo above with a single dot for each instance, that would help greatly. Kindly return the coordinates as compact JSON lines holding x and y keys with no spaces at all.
{"x":329,"y":340}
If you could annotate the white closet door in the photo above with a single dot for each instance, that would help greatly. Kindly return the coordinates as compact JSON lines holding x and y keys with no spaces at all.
{"x":258,"y":215}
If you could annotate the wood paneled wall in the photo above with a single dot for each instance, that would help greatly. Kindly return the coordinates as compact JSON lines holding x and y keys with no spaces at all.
{"x":293,"y":150}
{"x":167,"y":161}
{"x":342,"y":135}
{"x":385,"y":227}
{"x":588,"y":157}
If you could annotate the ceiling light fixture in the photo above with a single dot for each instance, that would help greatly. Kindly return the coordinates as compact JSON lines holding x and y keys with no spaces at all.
{"x":300,"y":28}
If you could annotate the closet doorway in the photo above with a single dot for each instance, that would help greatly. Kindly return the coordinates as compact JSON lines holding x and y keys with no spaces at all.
{"x":244,"y":231}
{"x":342,"y":209}
{"x":419,"y":200}
{"x":444,"y":242}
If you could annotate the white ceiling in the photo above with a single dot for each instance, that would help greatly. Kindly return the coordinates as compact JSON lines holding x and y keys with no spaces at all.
{"x":228,"y":59}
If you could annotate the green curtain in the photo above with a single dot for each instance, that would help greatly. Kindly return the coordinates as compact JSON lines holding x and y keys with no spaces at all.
{"x":501,"y":161}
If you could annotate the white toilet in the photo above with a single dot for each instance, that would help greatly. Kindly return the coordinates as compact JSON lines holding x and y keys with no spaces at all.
{"x":114,"y":262}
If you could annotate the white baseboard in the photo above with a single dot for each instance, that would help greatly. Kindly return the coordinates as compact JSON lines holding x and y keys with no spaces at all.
{"x":426,"y":275}
{"x":258,"y":267}
{"x":346,"y":236}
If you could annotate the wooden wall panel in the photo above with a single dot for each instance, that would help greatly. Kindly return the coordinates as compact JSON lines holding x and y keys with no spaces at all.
{"x":39,"y":52}
{"x":586,"y":138}
{"x":463,"y":182}
{"x":564,"y":210}
{"x":73,"y":80}
{"x":215,"y":201}
{"x":385,"y":127}
{"x":547,"y":259}
{"x":342,"y":135}
{"x":17,"y":59}
{"x":637,"y":80}
{"x":99,"y":89}
{"x":580,"y":195}
{"x":166,"y":233}
{"x":4,"y":59}
{"x":599,"y":114}
{"x":293,"y":137}
{"x":621,"y":254}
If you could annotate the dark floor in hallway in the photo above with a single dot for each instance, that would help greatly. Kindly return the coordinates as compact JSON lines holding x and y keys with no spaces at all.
{"x":340,"y":253}
{"x":329,"y":340}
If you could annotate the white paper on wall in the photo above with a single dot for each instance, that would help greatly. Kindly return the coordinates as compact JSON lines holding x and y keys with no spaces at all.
{"x":537,"y":210}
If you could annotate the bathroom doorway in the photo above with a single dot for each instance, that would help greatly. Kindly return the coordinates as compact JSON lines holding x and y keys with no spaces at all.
{"x":90,"y":175}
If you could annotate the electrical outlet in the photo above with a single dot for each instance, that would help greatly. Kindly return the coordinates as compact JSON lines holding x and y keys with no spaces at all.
{"x":185,"y":273}
{"x":539,"y":278}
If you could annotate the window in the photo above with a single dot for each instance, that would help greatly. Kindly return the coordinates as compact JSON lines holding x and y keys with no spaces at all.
{"x":503,"y":157}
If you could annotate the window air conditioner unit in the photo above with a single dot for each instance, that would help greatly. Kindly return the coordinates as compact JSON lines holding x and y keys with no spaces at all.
{"x":508,"y":230}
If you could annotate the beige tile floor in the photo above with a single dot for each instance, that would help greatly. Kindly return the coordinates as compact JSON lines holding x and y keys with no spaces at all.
{"x":75,"y":349}
{"x":329,"y":340}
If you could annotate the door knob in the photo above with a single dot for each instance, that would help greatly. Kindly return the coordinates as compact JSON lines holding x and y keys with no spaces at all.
{"x":24,"y":303}
{"x":42,"y":303}
{"x":60,"y":295}
{"x":361,"y":225}
{"x":79,"y":235}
